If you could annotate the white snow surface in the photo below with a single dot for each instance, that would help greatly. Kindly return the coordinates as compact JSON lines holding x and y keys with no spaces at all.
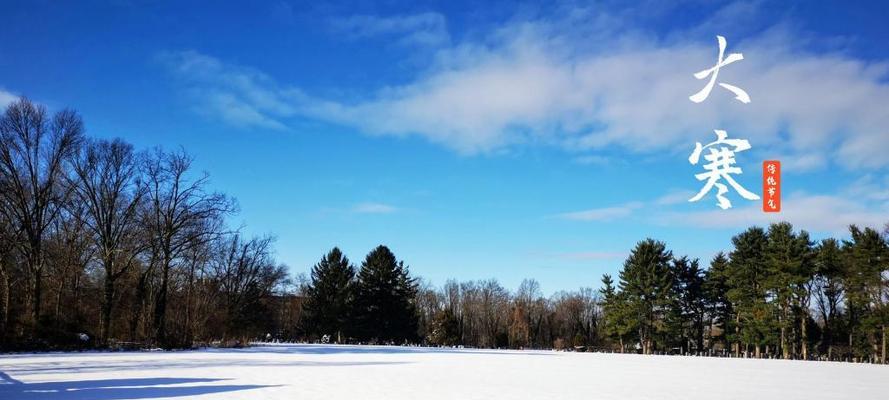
{"x":331,"y":372}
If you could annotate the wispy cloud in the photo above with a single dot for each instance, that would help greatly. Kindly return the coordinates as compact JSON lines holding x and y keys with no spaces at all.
{"x":239,"y":96}
{"x":864,"y":202}
{"x":821,"y":213}
{"x":602,"y":214}
{"x":6,"y":98}
{"x":674,"y":197}
{"x":374,"y":208}
{"x":552,"y":80}
{"x":869,"y":187}
{"x":425,"y":29}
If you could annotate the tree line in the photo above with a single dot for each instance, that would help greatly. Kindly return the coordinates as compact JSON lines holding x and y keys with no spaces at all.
{"x":776,"y":294}
{"x":105,"y":246}
{"x":102,"y":245}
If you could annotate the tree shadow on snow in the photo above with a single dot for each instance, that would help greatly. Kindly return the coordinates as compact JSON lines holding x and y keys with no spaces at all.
{"x":142,"y":365}
{"x":112,"y":389}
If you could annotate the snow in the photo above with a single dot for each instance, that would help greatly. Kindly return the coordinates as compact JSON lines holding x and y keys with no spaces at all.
{"x":330,"y":372}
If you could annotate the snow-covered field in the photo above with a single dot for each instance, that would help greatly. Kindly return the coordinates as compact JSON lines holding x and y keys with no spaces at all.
{"x":303,"y":372}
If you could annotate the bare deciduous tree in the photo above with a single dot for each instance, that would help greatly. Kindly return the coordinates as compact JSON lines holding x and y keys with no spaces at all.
{"x":245,"y":275}
{"x":33,"y":150}
{"x":181,"y":214}
{"x":107,"y":181}
{"x":71,"y":249}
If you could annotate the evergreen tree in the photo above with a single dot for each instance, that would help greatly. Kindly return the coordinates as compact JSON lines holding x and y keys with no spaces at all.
{"x":789,"y":259}
{"x":829,"y":292}
{"x":866,"y":258}
{"x":747,"y":275}
{"x":688,"y":304}
{"x":619,"y":324}
{"x":329,"y":296}
{"x":646,"y":281}
{"x":719,"y":308}
{"x":384,"y":302}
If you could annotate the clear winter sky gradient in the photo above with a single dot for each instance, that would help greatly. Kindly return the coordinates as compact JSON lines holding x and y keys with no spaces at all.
{"x":478,"y":139}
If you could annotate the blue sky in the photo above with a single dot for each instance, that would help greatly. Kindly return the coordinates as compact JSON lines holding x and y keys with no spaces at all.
{"x":478,"y":141}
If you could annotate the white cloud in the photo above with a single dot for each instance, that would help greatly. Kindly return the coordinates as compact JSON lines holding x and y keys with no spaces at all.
{"x":6,"y":98}
{"x":602,"y":214}
{"x":625,"y":210}
{"x":869,"y":187}
{"x":523,"y":93}
{"x":238,"y":112}
{"x":801,"y":162}
{"x":820,"y":213}
{"x":425,"y":29}
{"x":239,"y":96}
{"x":864,"y":202}
{"x":576,"y":82}
{"x":374,"y":208}
{"x":674,"y":197}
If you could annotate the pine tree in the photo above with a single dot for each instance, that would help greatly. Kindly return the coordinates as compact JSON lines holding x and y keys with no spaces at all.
{"x":384,"y":302}
{"x":329,"y":296}
{"x":789,"y":259}
{"x":829,"y":292}
{"x":719,"y":308}
{"x":646,"y":282}
{"x":619,"y":324}
{"x":866,"y":258}
{"x":747,"y":274}
{"x":688,"y":304}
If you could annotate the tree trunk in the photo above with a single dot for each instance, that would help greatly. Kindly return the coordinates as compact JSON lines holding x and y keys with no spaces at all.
{"x":4,"y":303}
{"x":160,"y":309}
{"x":188,"y":307}
{"x":785,"y":349}
{"x":737,"y":344}
{"x":59,"y":296}
{"x":883,"y":352}
{"x":35,"y":267}
{"x":804,"y":338}
{"x":38,"y":292}
{"x":106,"y":308}
{"x":700,"y":333}
{"x":139,"y":305}
{"x":134,"y":320}
{"x":75,"y":292}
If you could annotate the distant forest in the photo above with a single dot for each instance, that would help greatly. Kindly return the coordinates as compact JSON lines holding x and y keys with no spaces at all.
{"x":103,"y":246}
